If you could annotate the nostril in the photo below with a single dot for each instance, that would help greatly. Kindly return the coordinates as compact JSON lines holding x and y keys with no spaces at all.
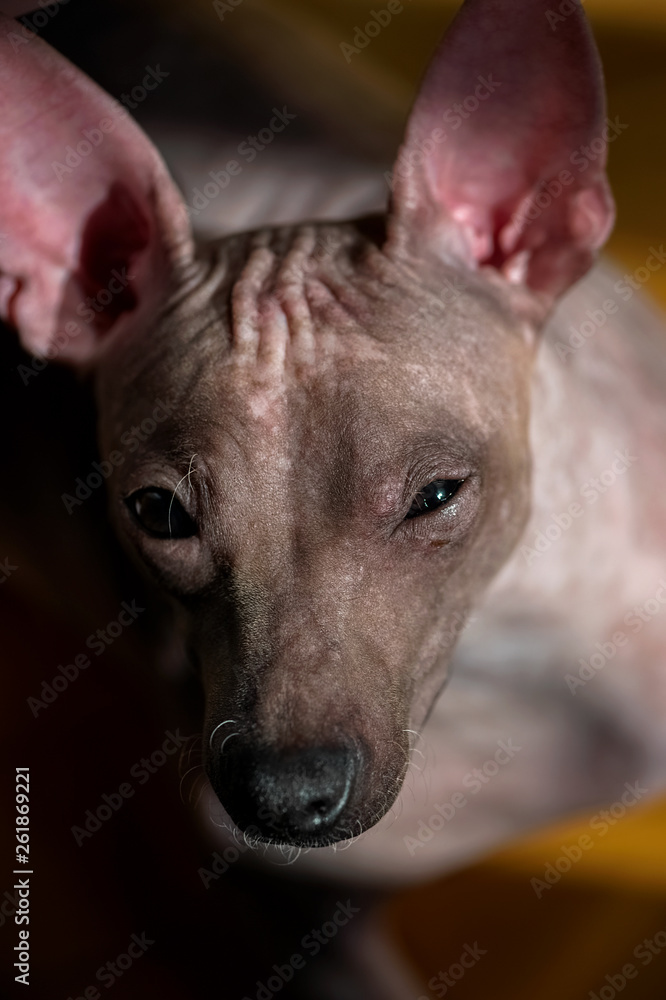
{"x":312,"y":813}
{"x":306,"y":790}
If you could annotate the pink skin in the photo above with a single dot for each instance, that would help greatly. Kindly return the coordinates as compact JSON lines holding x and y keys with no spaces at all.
{"x":314,"y":395}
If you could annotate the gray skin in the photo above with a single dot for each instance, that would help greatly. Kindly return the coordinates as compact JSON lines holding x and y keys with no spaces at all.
{"x":314,"y":396}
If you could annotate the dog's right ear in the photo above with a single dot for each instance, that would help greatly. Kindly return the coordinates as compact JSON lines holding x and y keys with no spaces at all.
{"x":92,"y":229}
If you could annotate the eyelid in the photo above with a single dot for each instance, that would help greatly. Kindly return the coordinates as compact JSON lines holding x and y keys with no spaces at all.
{"x":430,"y":468}
{"x":186,"y":499}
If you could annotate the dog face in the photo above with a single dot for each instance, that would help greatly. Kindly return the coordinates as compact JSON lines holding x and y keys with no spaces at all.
{"x":341,"y":461}
{"x":344,"y":466}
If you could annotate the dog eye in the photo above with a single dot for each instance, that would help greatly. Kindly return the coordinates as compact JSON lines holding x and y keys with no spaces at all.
{"x":434,"y":495}
{"x":160,"y":513}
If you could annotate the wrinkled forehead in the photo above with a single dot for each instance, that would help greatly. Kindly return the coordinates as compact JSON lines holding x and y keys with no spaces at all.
{"x":316,"y":322}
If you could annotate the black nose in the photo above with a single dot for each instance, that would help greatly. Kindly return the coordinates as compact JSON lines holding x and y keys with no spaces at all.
{"x":294,"y":796}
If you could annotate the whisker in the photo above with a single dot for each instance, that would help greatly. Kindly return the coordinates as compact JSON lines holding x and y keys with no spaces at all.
{"x":195,"y":767}
{"x":173,"y":495}
{"x":226,"y":739}
{"x":219,"y":726}
{"x":203,"y":782}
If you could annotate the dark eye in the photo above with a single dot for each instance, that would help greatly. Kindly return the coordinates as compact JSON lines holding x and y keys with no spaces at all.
{"x":432,"y":496}
{"x":160,"y":513}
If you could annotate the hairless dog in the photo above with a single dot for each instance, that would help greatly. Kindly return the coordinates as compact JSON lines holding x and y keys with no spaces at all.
{"x":375,"y":436}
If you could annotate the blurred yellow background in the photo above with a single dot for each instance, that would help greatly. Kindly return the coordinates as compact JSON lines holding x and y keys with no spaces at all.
{"x":294,"y":45}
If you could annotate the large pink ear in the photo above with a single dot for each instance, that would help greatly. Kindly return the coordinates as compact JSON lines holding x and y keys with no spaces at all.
{"x":92,"y":228}
{"x":503,"y":160}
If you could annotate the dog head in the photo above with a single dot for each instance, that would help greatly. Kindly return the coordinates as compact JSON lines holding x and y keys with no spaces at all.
{"x":322,"y":429}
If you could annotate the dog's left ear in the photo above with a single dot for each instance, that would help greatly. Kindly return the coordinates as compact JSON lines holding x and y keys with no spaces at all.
{"x":493,"y":169}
